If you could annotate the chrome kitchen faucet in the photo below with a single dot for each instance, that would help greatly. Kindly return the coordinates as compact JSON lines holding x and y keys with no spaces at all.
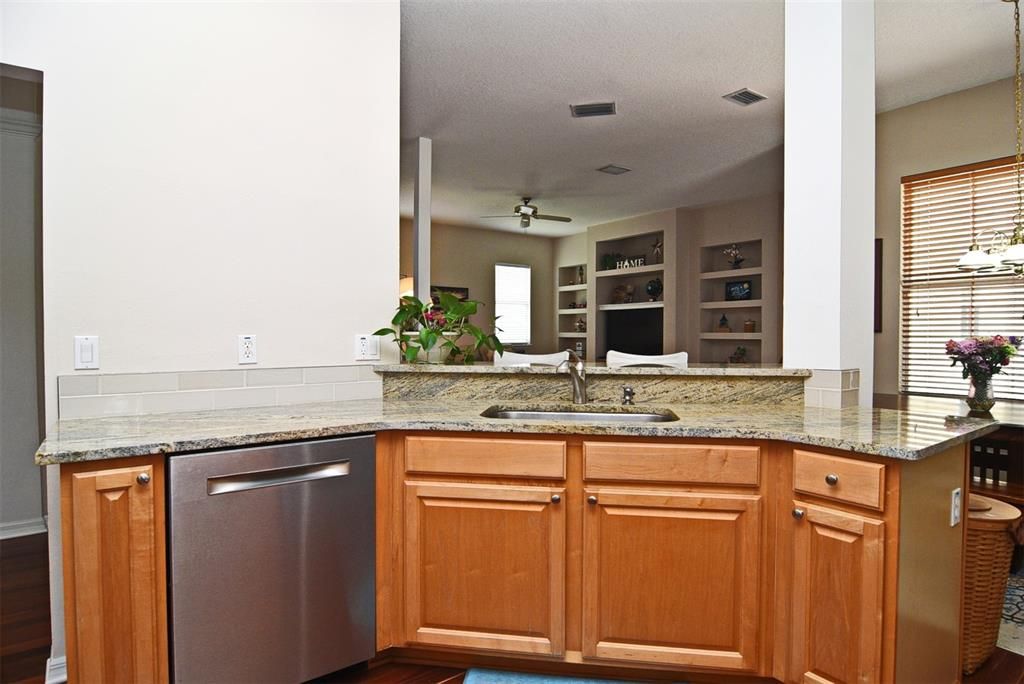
{"x":577,"y":377}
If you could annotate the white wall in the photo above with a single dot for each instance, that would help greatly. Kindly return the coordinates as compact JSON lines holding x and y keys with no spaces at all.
{"x":211,"y":169}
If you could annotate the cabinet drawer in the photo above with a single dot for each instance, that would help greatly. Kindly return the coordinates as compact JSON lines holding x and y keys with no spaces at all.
{"x":683,"y":463}
{"x":842,"y":479}
{"x":480,"y":456}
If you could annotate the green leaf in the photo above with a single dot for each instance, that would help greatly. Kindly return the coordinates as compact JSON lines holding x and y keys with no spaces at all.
{"x":411,"y":352}
{"x":385,"y":331}
{"x":428,"y":338}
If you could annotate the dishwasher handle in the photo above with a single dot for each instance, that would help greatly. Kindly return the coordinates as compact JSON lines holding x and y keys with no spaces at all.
{"x":275,"y":477}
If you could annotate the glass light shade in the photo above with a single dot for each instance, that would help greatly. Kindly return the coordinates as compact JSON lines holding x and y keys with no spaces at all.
{"x":994,"y":261}
{"x":1014,"y":255}
{"x":974,"y":260}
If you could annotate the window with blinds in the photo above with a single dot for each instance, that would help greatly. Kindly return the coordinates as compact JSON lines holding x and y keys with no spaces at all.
{"x":512,"y":303}
{"x":943,"y":212}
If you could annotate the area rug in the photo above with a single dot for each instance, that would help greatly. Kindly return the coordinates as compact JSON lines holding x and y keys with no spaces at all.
{"x":1011,"y":631}
{"x":479,"y":676}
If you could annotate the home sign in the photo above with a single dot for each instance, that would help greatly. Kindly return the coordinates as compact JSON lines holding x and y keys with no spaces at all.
{"x":631,"y":262}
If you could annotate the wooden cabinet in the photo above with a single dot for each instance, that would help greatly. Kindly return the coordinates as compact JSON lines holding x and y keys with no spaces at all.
{"x":672,"y":578}
{"x":679,"y":555}
{"x":112,"y":517}
{"x":485,"y":566}
{"x":837,"y":595}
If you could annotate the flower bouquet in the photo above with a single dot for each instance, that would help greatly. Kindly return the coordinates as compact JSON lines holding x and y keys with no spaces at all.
{"x":981,"y":358}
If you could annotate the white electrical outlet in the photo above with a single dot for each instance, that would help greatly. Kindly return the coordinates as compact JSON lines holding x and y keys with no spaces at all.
{"x":367,"y":348}
{"x":955,"y":506}
{"x":87,"y":352}
{"x":246,"y":349}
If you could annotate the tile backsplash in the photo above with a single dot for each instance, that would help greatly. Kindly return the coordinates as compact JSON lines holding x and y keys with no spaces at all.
{"x":126,"y":394}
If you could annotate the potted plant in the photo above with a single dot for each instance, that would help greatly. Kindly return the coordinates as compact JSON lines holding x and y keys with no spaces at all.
{"x":982,"y":357}
{"x":425,"y":332}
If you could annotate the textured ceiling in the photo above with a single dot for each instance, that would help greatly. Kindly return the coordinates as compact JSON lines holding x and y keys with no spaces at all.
{"x":490,"y":81}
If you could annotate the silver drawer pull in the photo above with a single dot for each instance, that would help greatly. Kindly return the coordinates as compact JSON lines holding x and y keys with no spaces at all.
{"x":799,"y":513}
{"x":143,"y":478}
{"x":831,"y":479}
{"x":275,"y":477}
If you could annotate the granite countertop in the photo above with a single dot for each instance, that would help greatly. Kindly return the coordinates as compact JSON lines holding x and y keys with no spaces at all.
{"x":883,"y":432}
{"x":696,"y":369}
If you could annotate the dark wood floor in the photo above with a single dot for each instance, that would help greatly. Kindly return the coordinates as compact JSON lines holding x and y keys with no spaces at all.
{"x":25,"y":632}
{"x":24,"y":609}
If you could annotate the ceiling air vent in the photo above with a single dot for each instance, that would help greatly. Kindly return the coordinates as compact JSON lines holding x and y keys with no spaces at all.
{"x":744,"y":97}
{"x":592,"y":109}
{"x":614,"y":170}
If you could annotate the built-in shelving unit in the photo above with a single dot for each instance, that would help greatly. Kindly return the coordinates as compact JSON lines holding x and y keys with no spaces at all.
{"x":571,"y":303}
{"x":714,"y":282}
{"x":731,"y":336}
{"x":623,"y":317}
{"x":631,"y":305}
{"x":635,"y":270}
{"x":741,"y":304}
{"x":732,"y":272}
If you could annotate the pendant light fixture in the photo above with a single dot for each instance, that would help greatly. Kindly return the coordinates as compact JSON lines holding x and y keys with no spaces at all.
{"x":1006,"y":251}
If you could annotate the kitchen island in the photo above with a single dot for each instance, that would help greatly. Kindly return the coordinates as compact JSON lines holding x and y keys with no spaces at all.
{"x":742,"y":542}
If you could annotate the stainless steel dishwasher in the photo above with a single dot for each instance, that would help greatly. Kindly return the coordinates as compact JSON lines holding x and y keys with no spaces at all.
{"x":272,"y":561}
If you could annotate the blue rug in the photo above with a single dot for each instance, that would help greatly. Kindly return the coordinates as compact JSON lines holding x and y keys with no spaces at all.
{"x":478,"y":676}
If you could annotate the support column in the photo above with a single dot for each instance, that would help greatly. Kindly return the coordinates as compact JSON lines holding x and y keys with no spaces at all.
{"x":421,"y":220}
{"x":828,"y":279}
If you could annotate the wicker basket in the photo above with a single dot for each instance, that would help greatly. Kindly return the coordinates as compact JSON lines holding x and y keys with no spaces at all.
{"x":989,"y":550}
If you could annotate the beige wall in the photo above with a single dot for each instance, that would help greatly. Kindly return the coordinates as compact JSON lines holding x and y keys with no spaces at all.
{"x":465,"y":257}
{"x":571,"y":249}
{"x":961,"y":128}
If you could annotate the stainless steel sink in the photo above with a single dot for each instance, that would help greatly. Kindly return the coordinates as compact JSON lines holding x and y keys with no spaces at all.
{"x":582,"y":414}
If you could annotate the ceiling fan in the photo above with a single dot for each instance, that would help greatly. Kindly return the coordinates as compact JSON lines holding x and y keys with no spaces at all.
{"x":526,"y":212}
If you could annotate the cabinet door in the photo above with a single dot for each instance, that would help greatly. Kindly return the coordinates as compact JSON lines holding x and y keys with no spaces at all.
{"x":485,"y":566}
{"x":672,"y":578}
{"x":113,"y":526}
{"x":837,"y":587}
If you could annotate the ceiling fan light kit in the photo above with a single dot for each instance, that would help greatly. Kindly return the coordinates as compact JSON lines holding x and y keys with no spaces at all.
{"x":527,"y":212}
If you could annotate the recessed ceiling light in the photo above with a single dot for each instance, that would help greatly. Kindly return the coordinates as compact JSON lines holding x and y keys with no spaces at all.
{"x":614,"y":170}
{"x":745,"y":97}
{"x":580,"y":111}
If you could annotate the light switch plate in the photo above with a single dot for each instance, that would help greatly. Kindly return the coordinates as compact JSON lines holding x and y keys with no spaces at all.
{"x":955,"y":507}
{"x":367,"y":348}
{"x":87,"y":352}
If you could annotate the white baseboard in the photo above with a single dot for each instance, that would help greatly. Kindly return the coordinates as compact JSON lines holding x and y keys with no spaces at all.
{"x":22,"y":528}
{"x":56,"y":670}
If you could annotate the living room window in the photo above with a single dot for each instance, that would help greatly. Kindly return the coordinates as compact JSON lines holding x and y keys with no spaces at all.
{"x":512,"y":303}
{"x":943,"y":212}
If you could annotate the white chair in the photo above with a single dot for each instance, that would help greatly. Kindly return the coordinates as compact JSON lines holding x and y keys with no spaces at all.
{"x":617,"y":359}
{"x":513,"y":359}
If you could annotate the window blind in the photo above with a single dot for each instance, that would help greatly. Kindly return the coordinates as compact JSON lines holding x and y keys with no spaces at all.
{"x":512,"y":303}
{"x":942,"y":213}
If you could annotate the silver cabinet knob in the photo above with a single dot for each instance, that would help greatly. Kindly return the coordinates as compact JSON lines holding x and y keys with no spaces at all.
{"x":143,"y":478}
{"x":831,"y":479}
{"x":799,"y":513}
{"x":591,"y":499}
{"x":555,"y":498}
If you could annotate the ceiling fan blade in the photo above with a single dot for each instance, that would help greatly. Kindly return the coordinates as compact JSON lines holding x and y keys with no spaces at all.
{"x":547,"y":217}
{"x":502,"y":216}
